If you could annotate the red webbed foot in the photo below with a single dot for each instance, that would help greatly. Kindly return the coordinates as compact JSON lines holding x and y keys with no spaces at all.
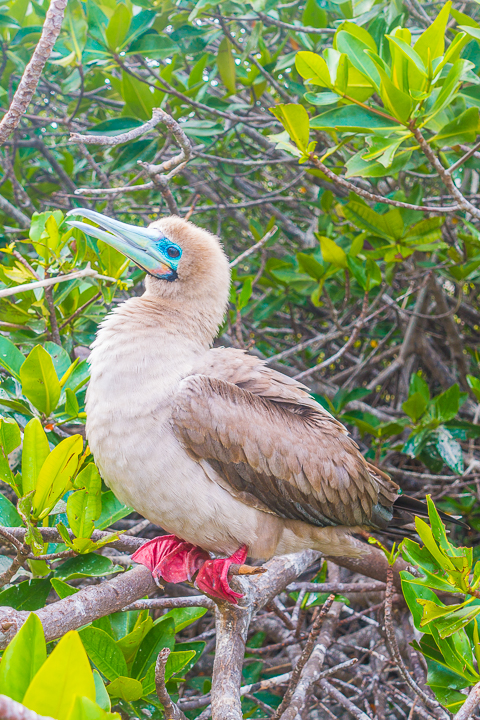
{"x":175,"y":561}
{"x":212,"y":577}
{"x":170,"y":558}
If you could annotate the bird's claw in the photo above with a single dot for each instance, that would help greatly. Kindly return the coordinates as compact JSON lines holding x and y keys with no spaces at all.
{"x":174,"y":560}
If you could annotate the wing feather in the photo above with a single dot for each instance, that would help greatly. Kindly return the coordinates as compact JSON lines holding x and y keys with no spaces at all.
{"x":271,"y":445}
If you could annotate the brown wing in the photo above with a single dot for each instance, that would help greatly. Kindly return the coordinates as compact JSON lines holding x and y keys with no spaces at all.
{"x":270,"y":444}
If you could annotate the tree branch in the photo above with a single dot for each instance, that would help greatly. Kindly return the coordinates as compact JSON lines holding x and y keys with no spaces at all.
{"x":31,"y":76}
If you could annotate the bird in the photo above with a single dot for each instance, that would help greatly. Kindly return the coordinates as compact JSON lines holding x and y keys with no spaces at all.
{"x":230,"y":457}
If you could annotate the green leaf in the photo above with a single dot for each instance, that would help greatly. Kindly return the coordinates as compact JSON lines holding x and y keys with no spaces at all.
{"x":60,"y":357}
{"x":138,"y":97}
{"x":112,"y":511}
{"x":474,"y":385}
{"x":323,"y":98}
{"x":9,"y":441}
{"x":415,"y":406}
{"x":10,"y":357}
{"x":314,"y":16}
{"x":85,"y":505}
{"x":117,"y":29}
{"x":65,"y":675}
{"x":357,"y":167}
{"x":154,"y":46}
{"x":226,"y":64}
{"x":176,"y":662}
{"x":462,"y":129}
{"x":39,"y":380}
{"x":313,"y":69}
{"x":354,"y":119}
{"x":56,"y":474}
{"x":104,"y":652}
{"x":34,"y":453}
{"x":294,"y":119}
{"x":161,"y":635}
{"x":449,"y":87}
{"x":89,"y":565}
{"x":125,"y":688}
{"x":114,"y":126}
{"x":86,"y":709}
{"x":183,"y":617}
{"x":28,"y":595}
{"x":418,"y":384}
{"x":431,"y":43}
{"x":9,"y":517}
{"x":443,"y":683}
{"x":131,"y":642}
{"x":62,"y":588}
{"x":133,"y":152}
{"x":355,"y":49}
{"x":310,"y":265}
{"x":449,"y":450}
{"x":332,"y":253}
{"x":245,"y":293}
{"x":447,"y":404}
{"x":101,"y":695}
{"x":22,"y":659}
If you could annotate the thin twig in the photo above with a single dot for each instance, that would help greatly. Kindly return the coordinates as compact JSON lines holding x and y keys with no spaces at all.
{"x":307,"y":651}
{"x":432,"y":704}
{"x":170,"y":709}
{"x":87,"y":272}
{"x":255,"y":247}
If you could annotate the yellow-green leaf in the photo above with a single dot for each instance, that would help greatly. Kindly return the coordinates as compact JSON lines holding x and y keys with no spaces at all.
{"x":431,"y":43}
{"x":332,"y":253}
{"x":39,"y":380}
{"x":65,"y":675}
{"x":56,"y":474}
{"x":34,"y":453}
{"x":294,"y":119}
{"x":226,"y":64}
{"x":313,"y":68}
{"x":118,"y":26}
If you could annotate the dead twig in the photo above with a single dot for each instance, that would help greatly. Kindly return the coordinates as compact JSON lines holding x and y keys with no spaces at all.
{"x":304,"y":657}
{"x":170,"y":709}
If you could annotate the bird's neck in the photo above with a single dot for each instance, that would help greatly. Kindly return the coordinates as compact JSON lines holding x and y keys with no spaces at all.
{"x":161,"y":327}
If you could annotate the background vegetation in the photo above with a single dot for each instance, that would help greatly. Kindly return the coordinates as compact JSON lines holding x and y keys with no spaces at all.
{"x":332,"y":146}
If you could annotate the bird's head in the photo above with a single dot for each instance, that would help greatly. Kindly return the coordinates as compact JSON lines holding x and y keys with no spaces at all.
{"x":183,"y":262}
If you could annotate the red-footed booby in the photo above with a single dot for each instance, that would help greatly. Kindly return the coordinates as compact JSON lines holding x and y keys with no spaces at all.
{"x":226,"y":454}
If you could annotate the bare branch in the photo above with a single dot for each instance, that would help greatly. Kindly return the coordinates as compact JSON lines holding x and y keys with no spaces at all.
{"x":255,"y":247}
{"x":31,"y":76}
{"x":13,"y":212}
{"x":304,"y":657}
{"x":13,"y":710}
{"x":470,"y":704}
{"x":87,"y":605}
{"x":171,"y":710}
{"x":372,"y":197}
{"x":111,"y":140}
{"x":87,"y":272}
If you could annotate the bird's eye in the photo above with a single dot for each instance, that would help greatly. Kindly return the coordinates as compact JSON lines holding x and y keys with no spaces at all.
{"x":173,"y":252}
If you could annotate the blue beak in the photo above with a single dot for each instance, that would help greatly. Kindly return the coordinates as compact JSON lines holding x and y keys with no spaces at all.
{"x":147,"y":247}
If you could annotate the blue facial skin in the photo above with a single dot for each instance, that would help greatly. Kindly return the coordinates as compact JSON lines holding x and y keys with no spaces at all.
{"x":172,"y":254}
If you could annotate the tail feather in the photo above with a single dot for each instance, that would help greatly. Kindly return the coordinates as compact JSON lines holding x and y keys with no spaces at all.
{"x":405,"y":507}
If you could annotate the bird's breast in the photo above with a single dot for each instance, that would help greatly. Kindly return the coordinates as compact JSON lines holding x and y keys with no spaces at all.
{"x":134,"y":377}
